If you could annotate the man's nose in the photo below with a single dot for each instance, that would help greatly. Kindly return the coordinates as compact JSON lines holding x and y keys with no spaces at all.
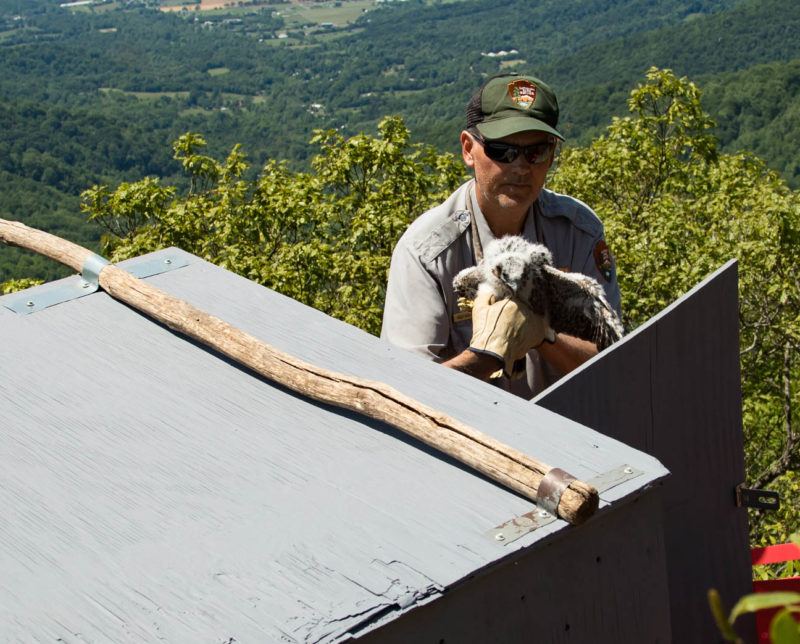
{"x":521,"y":164}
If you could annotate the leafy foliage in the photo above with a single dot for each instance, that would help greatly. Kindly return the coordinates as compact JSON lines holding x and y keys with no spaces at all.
{"x":12,"y":286}
{"x":759,"y":110}
{"x":774,"y":526}
{"x":675,"y":210}
{"x":324,"y":238}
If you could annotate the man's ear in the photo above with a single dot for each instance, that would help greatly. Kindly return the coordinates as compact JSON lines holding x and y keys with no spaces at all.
{"x":467,"y":143}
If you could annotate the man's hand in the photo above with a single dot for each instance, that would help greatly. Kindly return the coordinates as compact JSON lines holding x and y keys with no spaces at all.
{"x":506,"y":329}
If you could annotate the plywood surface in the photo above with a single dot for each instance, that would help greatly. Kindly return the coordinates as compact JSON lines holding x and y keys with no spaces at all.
{"x":150,"y":491}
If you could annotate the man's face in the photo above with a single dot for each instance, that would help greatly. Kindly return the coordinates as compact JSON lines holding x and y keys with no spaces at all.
{"x":505,"y":191}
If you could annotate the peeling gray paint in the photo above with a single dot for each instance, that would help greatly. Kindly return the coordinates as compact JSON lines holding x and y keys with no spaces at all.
{"x":151,"y":491}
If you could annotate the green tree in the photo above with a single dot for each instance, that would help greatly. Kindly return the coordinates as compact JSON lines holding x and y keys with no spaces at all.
{"x":12,"y":286}
{"x":675,"y":210}
{"x":372,"y":190}
{"x":324,"y":237}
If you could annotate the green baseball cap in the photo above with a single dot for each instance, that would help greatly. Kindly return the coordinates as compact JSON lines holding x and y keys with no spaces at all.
{"x":512,"y":103}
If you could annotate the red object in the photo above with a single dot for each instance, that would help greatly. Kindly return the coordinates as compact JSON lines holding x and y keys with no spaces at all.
{"x":775,"y":554}
{"x":768,"y":555}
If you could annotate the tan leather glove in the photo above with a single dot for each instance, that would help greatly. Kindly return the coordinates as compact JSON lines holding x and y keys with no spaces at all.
{"x":507,"y":329}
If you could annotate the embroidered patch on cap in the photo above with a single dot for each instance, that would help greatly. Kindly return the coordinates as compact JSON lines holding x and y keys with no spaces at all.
{"x":602,"y":257}
{"x":522,"y":92}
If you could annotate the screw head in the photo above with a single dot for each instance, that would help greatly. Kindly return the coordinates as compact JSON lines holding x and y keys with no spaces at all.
{"x":499,"y":537}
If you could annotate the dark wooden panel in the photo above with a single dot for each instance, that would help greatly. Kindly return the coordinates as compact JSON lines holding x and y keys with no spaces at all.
{"x":594,"y":584}
{"x":672,"y":389}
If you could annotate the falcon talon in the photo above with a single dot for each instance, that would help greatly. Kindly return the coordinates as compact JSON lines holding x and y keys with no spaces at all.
{"x":464,"y":304}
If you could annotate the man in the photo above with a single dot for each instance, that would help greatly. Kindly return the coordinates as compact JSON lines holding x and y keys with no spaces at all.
{"x":509,"y":142}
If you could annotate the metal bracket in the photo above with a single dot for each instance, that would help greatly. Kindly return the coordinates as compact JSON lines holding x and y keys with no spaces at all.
{"x":520,"y":526}
{"x":84,"y":284}
{"x":90,"y":272}
{"x":157,"y":266}
{"x":761,"y":499}
{"x":551,"y":487}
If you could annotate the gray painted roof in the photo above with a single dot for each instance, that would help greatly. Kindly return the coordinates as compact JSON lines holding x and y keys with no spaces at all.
{"x":153,"y":491}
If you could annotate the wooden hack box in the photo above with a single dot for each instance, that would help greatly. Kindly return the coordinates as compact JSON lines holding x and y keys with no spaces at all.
{"x":154,"y":491}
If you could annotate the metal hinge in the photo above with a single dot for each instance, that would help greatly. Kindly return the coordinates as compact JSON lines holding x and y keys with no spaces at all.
{"x":86,"y":283}
{"x":540,"y":517}
{"x":761,"y":499}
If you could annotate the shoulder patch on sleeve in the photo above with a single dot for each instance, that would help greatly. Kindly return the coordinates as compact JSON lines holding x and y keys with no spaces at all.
{"x":602,"y":257}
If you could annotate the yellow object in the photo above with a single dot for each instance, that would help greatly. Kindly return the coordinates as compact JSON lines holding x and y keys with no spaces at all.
{"x":507,"y":329}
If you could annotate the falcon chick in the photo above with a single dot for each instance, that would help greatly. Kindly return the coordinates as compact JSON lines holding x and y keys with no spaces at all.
{"x":573,"y":303}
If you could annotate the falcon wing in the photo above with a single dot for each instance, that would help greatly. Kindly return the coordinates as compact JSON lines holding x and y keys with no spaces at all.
{"x":577,"y":306}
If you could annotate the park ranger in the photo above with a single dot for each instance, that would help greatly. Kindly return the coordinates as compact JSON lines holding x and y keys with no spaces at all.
{"x":510,"y":142}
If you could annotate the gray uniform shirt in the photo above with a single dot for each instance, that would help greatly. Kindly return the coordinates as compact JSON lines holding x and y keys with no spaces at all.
{"x":421,"y":312}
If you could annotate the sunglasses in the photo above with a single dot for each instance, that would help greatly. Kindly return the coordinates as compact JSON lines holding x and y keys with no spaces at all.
{"x":506,"y":152}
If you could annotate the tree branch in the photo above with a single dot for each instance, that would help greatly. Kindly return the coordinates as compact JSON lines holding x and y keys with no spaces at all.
{"x":792,"y":439}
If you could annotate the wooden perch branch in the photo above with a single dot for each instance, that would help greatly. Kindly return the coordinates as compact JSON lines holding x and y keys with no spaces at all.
{"x":501,"y":463}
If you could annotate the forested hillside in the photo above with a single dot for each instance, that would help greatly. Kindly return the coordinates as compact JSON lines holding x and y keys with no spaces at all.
{"x":95,"y":95}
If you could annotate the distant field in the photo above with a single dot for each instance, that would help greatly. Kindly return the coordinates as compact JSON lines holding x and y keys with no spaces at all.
{"x":205,"y":5}
{"x":509,"y":65}
{"x":336,"y":11}
{"x":339,"y":13}
{"x":146,"y":95}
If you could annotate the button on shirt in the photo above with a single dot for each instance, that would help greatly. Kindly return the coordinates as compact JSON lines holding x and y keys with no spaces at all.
{"x":421,"y":308}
